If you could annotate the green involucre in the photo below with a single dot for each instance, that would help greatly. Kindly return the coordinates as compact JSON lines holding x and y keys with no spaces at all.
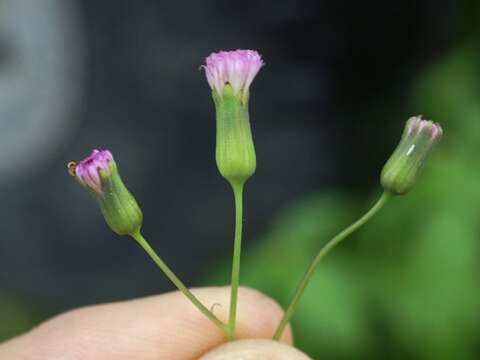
{"x":235,"y":152}
{"x":402,"y":168}
{"x":118,"y":206}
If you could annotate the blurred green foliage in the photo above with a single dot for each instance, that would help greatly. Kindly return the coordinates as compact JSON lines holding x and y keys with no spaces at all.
{"x":406,"y":286}
{"x":16,"y":316}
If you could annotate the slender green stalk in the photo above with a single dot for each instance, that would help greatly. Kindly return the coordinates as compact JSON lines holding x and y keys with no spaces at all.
{"x":177,"y":282}
{"x":324,"y":251}
{"x":237,"y":247}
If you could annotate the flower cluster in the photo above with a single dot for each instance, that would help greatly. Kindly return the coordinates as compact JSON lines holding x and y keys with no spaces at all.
{"x":230,"y":74}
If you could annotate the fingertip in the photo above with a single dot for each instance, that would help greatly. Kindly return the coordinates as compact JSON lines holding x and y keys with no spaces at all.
{"x":167,"y":326}
{"x":254,"y":349}
{"x":259,"y":316}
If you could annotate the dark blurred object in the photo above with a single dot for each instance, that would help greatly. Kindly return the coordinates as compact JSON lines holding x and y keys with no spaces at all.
{"x":336,"y":77}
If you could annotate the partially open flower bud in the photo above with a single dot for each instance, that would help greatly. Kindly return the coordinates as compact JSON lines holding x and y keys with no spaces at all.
{"x":230,"y":74}
{"x":401,"y":170}
{"x":99,"y":174}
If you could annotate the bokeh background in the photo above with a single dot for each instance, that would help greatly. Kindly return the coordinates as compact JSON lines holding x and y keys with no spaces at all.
{"x":340,"y":80}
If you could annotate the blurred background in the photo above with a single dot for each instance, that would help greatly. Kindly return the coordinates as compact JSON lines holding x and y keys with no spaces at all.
{"x":341,"y":78}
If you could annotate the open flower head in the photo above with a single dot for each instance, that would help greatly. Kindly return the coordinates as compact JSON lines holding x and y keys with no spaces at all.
{"x":230,"y":74}
{"x":237,"y":68}
{"x":89,"y":171}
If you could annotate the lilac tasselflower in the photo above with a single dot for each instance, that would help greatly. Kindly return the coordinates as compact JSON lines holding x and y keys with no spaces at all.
{"x":99,"y":174}
{"x":401,"y":170}
{"x":230,"y":74}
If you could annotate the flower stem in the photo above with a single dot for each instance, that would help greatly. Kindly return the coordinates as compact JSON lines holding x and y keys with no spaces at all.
{"x":237,"y":246}
{"x":324,"y":251}
{"x":178,"y":283}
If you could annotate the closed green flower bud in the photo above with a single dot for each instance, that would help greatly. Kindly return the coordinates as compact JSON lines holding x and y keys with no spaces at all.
{"x":401,"y":170}
{"x":99,"y":174}
{"x":230,"y":74}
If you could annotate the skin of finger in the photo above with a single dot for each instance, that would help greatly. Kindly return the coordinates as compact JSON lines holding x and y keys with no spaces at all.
{"x":158,"y":327}
{"x":254,"y":349}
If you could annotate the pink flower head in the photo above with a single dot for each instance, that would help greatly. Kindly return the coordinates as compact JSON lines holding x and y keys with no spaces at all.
{"x":237,"y":68}
{"x":88,"y":170}
{"x":419,"y":125}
